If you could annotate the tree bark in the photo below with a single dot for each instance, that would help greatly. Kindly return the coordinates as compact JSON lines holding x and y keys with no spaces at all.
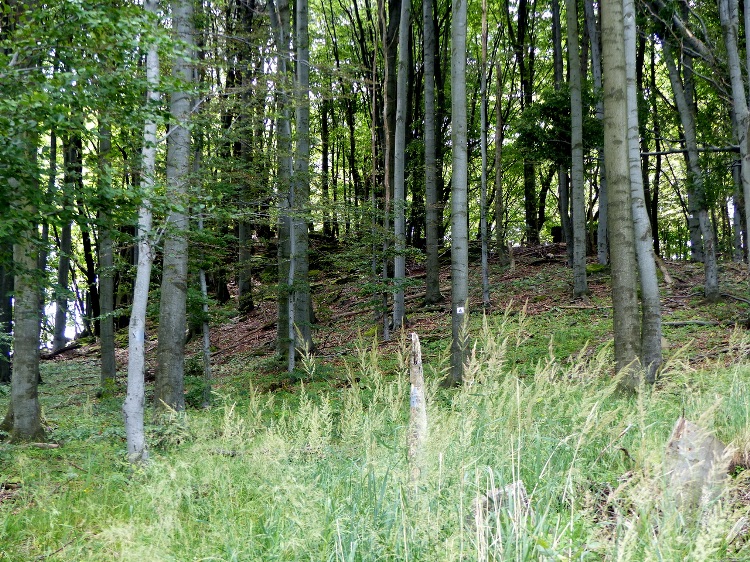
{"x":27,"y":424}
{"x":134,"y":404}
{"x":580,"y":286}
{"x":695,"y":177}
{"x":301,"y":184}
{"x":432,"y":228}
{"x":483,"y":150}
{"x":170,"y":353}
{"x":399,"y":161}
{"x":620,"y":214}
{"x":459,"y":200}
{"x":651,"y":356}
{"x":106,"y":259}
{"x":602,"y":246}
{"x":6,"y":308}
{"x":728,"y":11}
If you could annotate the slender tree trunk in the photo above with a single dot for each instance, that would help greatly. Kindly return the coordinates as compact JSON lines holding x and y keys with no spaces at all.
{"x":301,"y":182}
{"x":651,"y":356}
{"x":284,"y":319}
{"x":432,"y":228}
{"x":170,"y":353}
{"x":563,"y":188}
{"x":620,"y":213}
{"x":106,"y":259}
{"x":580,"y":287}
{"x":728,"y":14}
{"x":459,"y":200}
{"x":134,"y":405}
{"x":66,"y":246}
{"x":399,"y":164}
{"x":499,"y":197}
{"x":695,"y":176}
{"x":483,"y":150}
{"x":6,"y":308}
{"x":602,"y":246}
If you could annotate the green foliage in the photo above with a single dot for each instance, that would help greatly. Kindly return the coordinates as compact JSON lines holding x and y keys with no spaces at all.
{"x":544,"y":127}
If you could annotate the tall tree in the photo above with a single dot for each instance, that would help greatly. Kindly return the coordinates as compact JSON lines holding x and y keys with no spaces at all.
{"x":651,"y":355}
{"x":728,"y":15}
{"x":280,"y":22}
{"x":106,"y":257}
{"x":170,"y":353}
{"x":459,"y":200}
{"x":432,"y":228}
{"x":696,"y":188}
{"x":602,"y":246}
{"x":135,"y":398}
{"x":483,"y":150}
{"x":620,"y":214}
{"x":580,"y":286}
{"x":300,"y":202}
{"x":399,"y":161}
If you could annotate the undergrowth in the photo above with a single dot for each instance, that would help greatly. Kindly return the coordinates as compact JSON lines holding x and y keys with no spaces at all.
{"x":325,"y":476}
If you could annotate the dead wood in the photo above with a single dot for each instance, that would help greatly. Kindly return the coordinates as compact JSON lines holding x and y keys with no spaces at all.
{"x":53,"y":354}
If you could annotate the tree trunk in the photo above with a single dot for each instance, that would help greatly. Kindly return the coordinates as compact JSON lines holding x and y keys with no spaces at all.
{"x":106,"y":260}
{"x":459,"y":200}
{"x":432,"y":227}
{"x":280,"y":23}
{"x":651,"y":356}
{"x":695,"y":176}
{"x":27,"y":425}
{"x":620,"y":214}
{"x":728,"y":11}
{"x":134,"y":405}
{"x":499,"y":197}
{"x":483,"y":150}
{"x":301,"y":182}
{"x":170,"y":353}
{"x":66,"y":246}
{"x":602,"y":245}
{"x":6,"y":308}
{"x":580,"y":286}
{"x":399,"y":164}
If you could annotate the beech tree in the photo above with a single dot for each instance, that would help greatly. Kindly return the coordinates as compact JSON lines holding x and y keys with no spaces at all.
{"x":459,"y":202}
{"x":169,"y":387}
{"x":134,"y":404}
{"x":619,"y":210}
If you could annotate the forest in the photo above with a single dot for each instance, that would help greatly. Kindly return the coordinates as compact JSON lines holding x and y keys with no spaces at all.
{"x":356,"y":280}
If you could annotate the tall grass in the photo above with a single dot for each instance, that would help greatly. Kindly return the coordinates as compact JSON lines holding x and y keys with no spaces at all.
{"x":326,"y":478}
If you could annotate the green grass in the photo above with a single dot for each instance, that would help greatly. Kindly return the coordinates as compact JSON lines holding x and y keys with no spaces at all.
{"x":319,"y":472}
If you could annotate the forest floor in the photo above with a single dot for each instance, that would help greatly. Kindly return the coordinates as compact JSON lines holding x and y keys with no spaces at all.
{"x":310,"y":465}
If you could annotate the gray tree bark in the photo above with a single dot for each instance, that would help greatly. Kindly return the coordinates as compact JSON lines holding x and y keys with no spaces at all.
{"x":580,"y":287}
{"x":301,"y":184}
{"x":483,"y":150}
{"x":106,"y":260}
{"x":651,"y":355}
{"x":399,"y":164}
{"x":728,"y":14}
{"x":135,"y":398}
{"x":27,"y":425}
{"x":602,"y":246}
{"x":432,"y":228}
{"x":6,"y":308}
{"x":620,"y":214}
{"x":695,"y":176}
{"x":170,"y":354}
{"x":459,"y":201}
{"x":285,"y":314}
